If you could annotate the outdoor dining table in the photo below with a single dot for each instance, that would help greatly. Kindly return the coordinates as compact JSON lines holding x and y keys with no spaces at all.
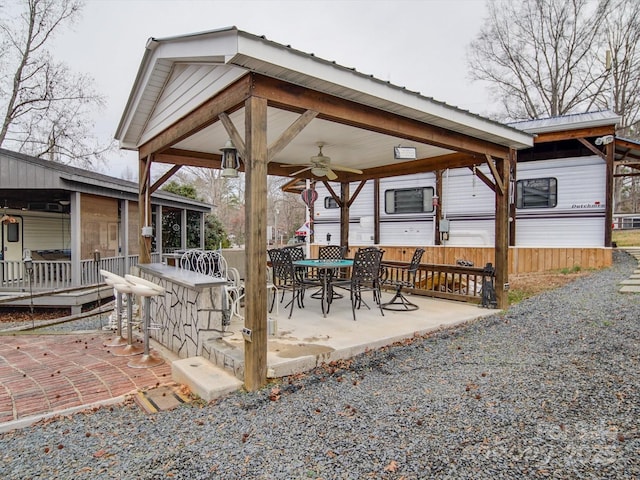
{"x":326,"y":270}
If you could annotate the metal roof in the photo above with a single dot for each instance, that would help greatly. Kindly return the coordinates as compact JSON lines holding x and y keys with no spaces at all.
{"x":568,"y":122}
{"x":179,"y":73}
{"x":22,"y":174}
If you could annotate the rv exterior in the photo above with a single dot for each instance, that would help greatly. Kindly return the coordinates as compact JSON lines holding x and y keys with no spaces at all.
{"x":559,"y":202}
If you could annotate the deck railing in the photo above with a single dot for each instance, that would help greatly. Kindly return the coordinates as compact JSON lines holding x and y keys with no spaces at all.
{"x":57,"y":274}
{"x":452,"y":282}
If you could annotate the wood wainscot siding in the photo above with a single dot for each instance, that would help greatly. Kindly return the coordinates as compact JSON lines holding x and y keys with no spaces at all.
{"x":521,"y":259}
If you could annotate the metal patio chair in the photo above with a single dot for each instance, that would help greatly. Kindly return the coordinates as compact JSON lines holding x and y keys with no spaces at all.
{"x":405,"y":278}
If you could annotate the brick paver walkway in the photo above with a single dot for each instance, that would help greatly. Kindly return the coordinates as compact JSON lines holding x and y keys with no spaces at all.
{"x":42,"y":374}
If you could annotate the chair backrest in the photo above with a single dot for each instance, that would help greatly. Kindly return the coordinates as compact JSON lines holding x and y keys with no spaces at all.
{"x":332,"y":252}
{"x":296,"y":253}
{"x":281,"y":266}
{"x":207,"y":262}
{"x":415,"y":260}
{"x":366,"y":265}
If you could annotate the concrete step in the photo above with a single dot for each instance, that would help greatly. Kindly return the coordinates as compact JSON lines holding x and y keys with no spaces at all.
{"x":203,"y":378}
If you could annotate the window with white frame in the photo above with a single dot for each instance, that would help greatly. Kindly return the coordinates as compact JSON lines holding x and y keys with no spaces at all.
{"x":408,"y":200}
{"x":330,"y":202}
{"x":537,"y":193}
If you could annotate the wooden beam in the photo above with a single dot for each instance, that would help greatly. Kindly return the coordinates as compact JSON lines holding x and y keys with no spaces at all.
{"x":587,"y":144}
{"x":496,"y":175}
{"x":355,"y":194}
{"x":333,"y":193}
{"x":255,"y":351}
{"x":144,"y":207}
{"x":189,"y":158}
{"x":232,"y":131}
{"x":290,"y":133}
{"x":206,"y":114}
{"x":574,"y":134}
{"x":295,"y":97}
{"x":502,"y":235}
{"x":608,"y":215}
{"x":486,"y":180}
{"x":164,"y":178}
{"x":344,"y":214}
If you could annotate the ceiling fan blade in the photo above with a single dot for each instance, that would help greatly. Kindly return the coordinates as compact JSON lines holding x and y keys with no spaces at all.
{"x":297,"y":165}
{"x":346,"y":169}
{"x":300,"y":171}
{"x":331,"y":175}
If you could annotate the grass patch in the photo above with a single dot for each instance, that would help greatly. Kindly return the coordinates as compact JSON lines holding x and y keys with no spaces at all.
{"x":626,"y":238}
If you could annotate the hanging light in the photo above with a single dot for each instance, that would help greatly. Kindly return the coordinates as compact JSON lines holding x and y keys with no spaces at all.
{"x":230,"y":162}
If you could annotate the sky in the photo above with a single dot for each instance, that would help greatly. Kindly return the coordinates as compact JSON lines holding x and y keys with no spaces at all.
{"x":418,"y":44}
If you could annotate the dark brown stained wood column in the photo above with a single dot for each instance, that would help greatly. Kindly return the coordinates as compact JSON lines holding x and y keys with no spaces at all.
{"x":608,"y":215}
{"x":376,"y":211}
{"x":502,"y":233}
{"x":344,"y":214}
{"x":513,"y":162}
{"x":438,"y":212}
{"x":255,"y":351}
{"x":144,"y":207}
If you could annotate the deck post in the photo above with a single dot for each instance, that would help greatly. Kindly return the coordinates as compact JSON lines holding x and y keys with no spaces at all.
{"x":255,"y":351}
{"x":344,"y":214}
{"x":502,"y":232}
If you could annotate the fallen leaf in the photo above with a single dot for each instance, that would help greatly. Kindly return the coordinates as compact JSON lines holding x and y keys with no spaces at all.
{"x":392,"y":467}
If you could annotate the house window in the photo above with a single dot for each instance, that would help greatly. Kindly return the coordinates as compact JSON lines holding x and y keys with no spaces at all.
{"x":409,"y":200}
{"x":537,"y":193}
{"x":330,"y":202}
{"x":13,"y":232}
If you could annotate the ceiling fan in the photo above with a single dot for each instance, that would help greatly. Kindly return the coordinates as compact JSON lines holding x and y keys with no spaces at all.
{"x":320,"y":166}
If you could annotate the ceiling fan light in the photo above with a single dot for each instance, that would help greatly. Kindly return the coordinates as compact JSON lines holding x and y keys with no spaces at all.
{"x":319,"y":171}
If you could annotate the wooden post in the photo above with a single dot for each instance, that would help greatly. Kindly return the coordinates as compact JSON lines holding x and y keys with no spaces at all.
{"x":511,"y":194}
{"x":502,"y":233}
{"x":255,"y":351}
{"x":344,"y":214}
{"x":438,"y":212}
{"x":144,"y":207}
{"x":376,"y":211}
{"x":608,"y":216}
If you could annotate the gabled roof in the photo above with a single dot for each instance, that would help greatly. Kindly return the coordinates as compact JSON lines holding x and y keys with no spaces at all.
{"x":19,"y":172}
{"x":178,"y":74}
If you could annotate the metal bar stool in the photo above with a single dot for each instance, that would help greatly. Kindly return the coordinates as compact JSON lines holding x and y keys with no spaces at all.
{"x":111,"y":279}
{"x":145,"y":289}
{"x":129,"y":349}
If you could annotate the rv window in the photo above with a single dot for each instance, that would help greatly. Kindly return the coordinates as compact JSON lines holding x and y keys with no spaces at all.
{"x":330,"y":202}
{"x":537,"y":193}
{"x":409,"y":200}
{"x":13,"y":232}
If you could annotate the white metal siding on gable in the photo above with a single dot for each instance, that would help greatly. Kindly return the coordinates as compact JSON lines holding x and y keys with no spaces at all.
{"x":188,"y":87}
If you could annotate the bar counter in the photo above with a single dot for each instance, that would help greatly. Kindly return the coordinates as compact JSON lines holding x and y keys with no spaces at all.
{"x":192,"y":307}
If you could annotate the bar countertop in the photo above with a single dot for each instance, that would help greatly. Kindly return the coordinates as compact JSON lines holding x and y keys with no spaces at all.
{"x":181,"y":276}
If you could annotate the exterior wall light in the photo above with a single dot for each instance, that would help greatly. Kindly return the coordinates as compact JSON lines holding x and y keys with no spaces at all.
{"x":230,"y":162}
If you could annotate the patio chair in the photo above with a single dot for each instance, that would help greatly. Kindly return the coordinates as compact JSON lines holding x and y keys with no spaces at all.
{"x":286,"y":278}
{"x":212,"y":263}
{"x":405,"y":278}
{"x":328,"y":252}
{"x":365,"y":276}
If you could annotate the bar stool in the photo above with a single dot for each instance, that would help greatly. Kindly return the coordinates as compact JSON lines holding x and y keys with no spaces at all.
{"x":145,"y":289}
{"x":111,"y":279}
{"x":129,"y":349}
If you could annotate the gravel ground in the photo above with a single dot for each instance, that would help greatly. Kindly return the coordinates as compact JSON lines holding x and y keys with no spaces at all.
{"x":549,"y":389}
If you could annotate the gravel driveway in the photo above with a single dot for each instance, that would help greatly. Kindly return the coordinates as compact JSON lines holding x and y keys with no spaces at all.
{"x":549,"y":389}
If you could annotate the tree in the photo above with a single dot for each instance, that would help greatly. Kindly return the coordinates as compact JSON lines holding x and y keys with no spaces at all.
{"x":539,"y":56}
{"x":215,"y":235}
{"x":45,"y":107}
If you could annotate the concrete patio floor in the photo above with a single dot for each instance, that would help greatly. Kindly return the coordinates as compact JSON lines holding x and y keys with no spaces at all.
{"x":307,"y":339}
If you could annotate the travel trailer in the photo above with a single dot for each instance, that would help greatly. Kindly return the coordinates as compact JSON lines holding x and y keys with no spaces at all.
{"x":559,"y":202}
